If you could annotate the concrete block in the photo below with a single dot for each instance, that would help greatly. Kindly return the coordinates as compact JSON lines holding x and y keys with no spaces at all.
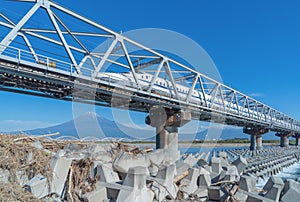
{"x":98,"y":195}
{"x":190,"y":160}
{"x":274,"y":193}
{"x":100,"y":153}
{"x":156,"y":157}
{"x":208,"y":169}
{"x":224,"y":163}
{"x":215,"y":164}
{"x":137,"y":195}
{"x":38,"y":186}
{"x":164,"y":180}
{"x":181,"y":167}
{"x":291,"y":191}
{"x":199,"y":155}
{"x":60,"y":167}
{"x":171,"y":155}
{"x":223,"y":155}
{"x":240,"y":164}
{"x":215,"y":177}
{"x":22,"y":178}
{"x":167,"y":173}
{"x":240,"y":196}
{"x":4,"y":176}
{"x":273,"y":180}
{"x":189,"y":183}
{"x":96,"y":148}
{"x":247,"y":183}
{"x":254,"y":197}
{"x":153,"y":169}
{"x":231,"y":174}
{"x":59,"y":153}
{"x":203,"y":162}
{"x":204,"y":179}
{"x":159,"y":191}
{"x":215,"y":193}
{"x":124,"y":161}
{"x":221,"y":176}
{"x":106,"y":173}
{"x":136,"y":178}
{"x":104,"y":157}
{"x":201,"y":193}
{"x":71,"y":147}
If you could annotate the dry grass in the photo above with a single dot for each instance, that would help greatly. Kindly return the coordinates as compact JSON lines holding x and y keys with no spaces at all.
{"x":14,"y":192}
{"x":22,"y":156}
{"x":80,"y":173}
{"x":18,"y":154}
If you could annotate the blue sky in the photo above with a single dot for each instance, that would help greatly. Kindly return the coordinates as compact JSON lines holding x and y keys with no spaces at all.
{"x":255,"y":45}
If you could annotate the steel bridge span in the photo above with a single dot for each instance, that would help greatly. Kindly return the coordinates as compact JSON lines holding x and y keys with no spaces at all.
{"x":115,"y":76}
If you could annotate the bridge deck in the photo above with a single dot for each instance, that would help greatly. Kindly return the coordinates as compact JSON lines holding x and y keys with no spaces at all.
{"x":172,"y":84}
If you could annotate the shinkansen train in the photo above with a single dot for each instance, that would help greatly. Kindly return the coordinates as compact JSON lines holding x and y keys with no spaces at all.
{"x":164,"y":87}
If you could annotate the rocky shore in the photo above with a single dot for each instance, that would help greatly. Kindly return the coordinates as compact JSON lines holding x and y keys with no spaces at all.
{"x":41,"y":169}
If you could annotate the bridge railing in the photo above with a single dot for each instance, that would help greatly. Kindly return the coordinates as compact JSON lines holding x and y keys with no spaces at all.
{"x":48,"y":62}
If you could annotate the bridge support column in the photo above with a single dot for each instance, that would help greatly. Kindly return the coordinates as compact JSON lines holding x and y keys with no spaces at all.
{"x":167,"y":138}
{"x":252,"y":142}
{"x":255,"y":137}
{"x":258,"y":142}
{"x":297,"y":137}
{"x":167,"y":123}
{"x":284,"y":139}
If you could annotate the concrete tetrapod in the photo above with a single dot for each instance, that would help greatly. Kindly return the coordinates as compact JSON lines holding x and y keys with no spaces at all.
{"x":136,"y":178}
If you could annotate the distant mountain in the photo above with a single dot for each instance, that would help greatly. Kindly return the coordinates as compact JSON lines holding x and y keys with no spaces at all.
{"x":93,"y":125}
{"x":90,"y":125}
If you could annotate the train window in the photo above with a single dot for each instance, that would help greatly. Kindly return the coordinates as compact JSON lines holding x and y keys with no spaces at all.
{"x":160,"y":83}
{"x":142,"y":76}
{"x":146,"y":77}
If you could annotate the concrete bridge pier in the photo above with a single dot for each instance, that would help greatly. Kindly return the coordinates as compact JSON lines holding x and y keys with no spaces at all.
{"x":167,"y":123}
{"x":255,"y":137}
{"x":167,"y":137}
{"x":284,"y":139}
{"x":297,"y":137}
{"x":259,"y":142}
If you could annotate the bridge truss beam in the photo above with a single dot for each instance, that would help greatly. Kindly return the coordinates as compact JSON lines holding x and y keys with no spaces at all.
{"x":80,"y":72}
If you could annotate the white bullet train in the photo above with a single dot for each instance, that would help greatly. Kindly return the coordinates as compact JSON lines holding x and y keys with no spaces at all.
{"x":164,"y":87}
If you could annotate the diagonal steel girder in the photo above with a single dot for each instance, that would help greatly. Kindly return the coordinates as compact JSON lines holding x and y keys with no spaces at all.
{"x":230,"y":99}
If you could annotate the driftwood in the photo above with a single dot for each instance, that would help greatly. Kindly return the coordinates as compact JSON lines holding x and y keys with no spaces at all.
{"x":224,"y":182}
{"x":130,"y":148}
{"x":180,"y":177}
{"x":148,"y":150}
{"x":35,"y":137}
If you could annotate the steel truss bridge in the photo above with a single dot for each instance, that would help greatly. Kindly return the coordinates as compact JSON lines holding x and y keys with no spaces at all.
{"x":74,"y":69}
